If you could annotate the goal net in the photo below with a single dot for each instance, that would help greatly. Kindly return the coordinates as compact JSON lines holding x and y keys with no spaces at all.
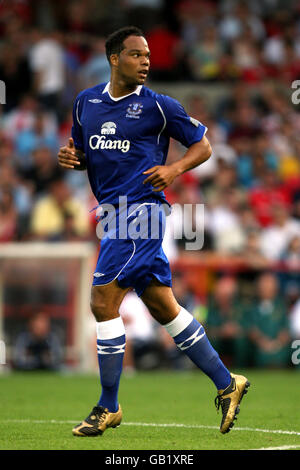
{"x":53,"y":278}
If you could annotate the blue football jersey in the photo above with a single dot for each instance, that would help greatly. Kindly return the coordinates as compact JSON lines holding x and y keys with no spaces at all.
{"x":123,"y":137}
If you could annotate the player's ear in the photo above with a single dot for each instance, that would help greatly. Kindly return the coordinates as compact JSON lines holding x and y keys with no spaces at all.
{"x":114,"y":60}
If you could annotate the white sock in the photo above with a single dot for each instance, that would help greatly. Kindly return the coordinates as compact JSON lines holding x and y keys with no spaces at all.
{"x":176,"y":326}
{"x":110,"y":329}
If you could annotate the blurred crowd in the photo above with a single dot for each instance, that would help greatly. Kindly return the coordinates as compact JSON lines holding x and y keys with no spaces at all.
{"x":200,"y":40}
{"x":254,"y":330}
{"x":51,"y":50}
{"x":249,"y":329}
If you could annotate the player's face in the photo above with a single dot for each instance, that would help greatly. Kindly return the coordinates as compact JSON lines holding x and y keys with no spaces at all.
{"x":133,"y":61}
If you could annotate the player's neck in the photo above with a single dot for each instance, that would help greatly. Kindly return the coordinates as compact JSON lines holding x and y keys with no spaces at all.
{"x":118,"y":88}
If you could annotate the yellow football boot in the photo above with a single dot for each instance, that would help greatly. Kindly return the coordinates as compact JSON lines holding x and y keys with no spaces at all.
{"x":97,"y":421}
{"x":230,"y":399}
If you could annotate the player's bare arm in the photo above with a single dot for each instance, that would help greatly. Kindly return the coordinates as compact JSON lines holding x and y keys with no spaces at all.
{"x":71,"y":158}
{"x":161,"y":176}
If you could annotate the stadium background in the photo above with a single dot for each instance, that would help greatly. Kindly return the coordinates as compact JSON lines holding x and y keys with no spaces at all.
{"x":232,"y":65}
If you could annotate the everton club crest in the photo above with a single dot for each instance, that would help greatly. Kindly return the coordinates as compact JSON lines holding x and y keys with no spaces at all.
{"x":134,"y":110}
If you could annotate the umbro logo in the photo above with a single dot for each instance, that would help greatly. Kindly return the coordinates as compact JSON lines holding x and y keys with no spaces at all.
{"x":99,"y":274}
{"x":95,"y":100}
{"x":187,"y":343}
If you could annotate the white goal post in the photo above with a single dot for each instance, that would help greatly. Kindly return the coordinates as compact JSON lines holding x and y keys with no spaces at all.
{"x":83,"y":252}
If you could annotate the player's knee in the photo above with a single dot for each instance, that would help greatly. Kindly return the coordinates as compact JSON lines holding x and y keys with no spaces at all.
{"x":97,"y":310}
{"x":102,"y":310}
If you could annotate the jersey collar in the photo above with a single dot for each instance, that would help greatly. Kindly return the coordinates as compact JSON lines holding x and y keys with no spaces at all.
{"x":137,"y":91}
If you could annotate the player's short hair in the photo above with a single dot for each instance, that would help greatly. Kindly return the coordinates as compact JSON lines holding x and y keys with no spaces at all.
{"x":114,"y":43}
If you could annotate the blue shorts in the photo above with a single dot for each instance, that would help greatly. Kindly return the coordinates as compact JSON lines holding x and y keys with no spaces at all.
{"x":131,"y":250}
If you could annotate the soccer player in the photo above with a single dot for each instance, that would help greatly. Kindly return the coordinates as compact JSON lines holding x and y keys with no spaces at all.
{"x":120,"y":134}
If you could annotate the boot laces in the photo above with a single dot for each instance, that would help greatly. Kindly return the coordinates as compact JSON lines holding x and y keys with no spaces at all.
{"x":100,"y":413}
{"x":222,"y":402}
{"x":219,"y":402}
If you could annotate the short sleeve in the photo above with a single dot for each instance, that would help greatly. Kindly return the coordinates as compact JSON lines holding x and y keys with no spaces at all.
{"x":77,"y":126}
{"x":179,"y":124}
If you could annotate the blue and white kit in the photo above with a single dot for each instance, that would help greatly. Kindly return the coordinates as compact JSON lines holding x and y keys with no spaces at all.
{"x":122,"y":138}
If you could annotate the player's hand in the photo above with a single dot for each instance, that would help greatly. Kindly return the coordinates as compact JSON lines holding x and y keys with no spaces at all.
{"x":70,"y":157}
{"x":160,"y":176}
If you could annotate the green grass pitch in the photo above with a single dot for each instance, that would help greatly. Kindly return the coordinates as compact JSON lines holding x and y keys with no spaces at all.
{"x":162,"y":411}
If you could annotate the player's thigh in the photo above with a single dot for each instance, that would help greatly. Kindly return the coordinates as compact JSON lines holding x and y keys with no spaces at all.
{"x":106,"y":300}
{"x":160,"y":301}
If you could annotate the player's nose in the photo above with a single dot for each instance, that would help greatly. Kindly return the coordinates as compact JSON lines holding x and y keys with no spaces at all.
{"x":145,"y":61}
